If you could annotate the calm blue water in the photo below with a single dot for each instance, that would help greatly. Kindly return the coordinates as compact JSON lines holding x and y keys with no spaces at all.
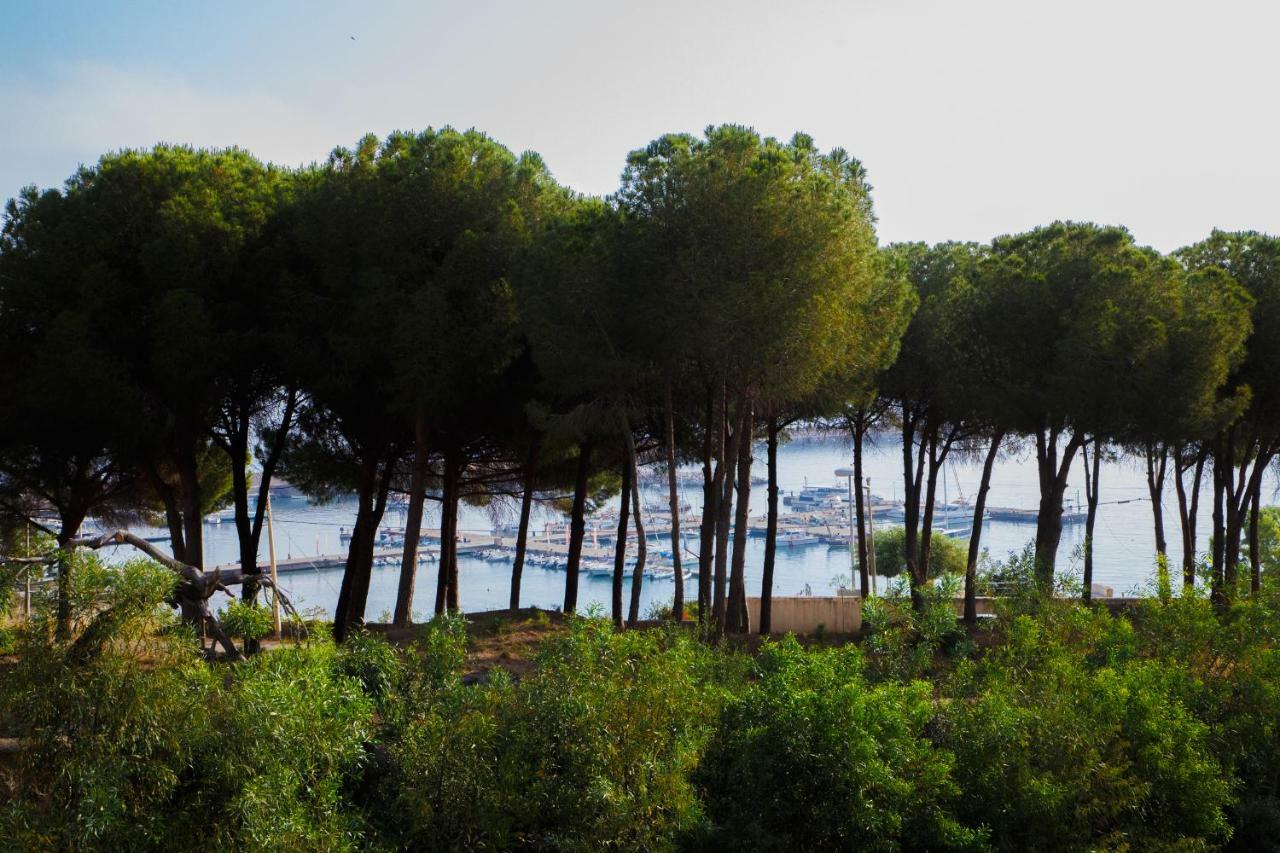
{"x":1123,"y":559}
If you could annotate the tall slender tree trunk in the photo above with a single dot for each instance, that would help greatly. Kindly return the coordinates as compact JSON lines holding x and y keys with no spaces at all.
{"x":859,"y":506}
{"x":975,"y":533}
{"x":620,"y":548}
{"x":413,"y":524}
{"x":737,"y":619}
{"x":249,"y":528}
{"x":239,"y":453}
{"x":189,"y":480}
{"x":577,"y":527}
{"x":1218,"y":591}
{"x":1255,"y":557}
{"x":452,"y":596}
{"x":710,"y":511}
{"x":673,"y":500}
{"x":448,"y":529}
{"x":771,"y":527}
{"x":1234,"y":517}
{"x":361,"y":533}
{"x":1091,"y":474}
{"x":724,"y":476}
{"x":526,"y":508}
{"x":360,"y":589}
{"x":937,"y":458}
{"x":637,"y":519}
{"x":912,"y":477}
{"x":172,"y":511}
{"x":1188,"y":508}
{"x":70,"y":520}
{"x":1157,"y":461}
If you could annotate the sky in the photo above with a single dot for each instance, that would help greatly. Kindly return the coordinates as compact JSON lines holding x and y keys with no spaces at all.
{"x":973,"y":119}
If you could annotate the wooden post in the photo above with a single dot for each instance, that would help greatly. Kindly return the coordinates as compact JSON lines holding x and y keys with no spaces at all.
{"x":271,"y":553}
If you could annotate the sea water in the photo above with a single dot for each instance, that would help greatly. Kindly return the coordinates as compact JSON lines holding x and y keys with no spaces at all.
{"x":1123,"y":548}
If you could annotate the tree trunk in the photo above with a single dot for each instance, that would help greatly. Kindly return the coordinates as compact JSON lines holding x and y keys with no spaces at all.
{"x":70,"y":519}
{"x":1157,"y":460}
{"x":249,"y":530}
{"x":771,"y":528}
{"x":526,"y":507}
{"x":172,"y":512}
{"x":577,"y":527}
{"x":859,"y":506}
{"x":1091,"y":474}
{"x":710,"y":511}
{"x":975,"y":533}
{"x":724,"y":478}
{"x":937,"y":458}
{"x":620,"y":548}
{"x":1188,"y":509}
{"x":360,"y":589}
{"x":737,"y":619}
{"x":239,"y":453}
{"x":1053,"y":474}
{"x":448,"y":529}
{"x":189,"y":480}
{"x":637,"y":575}
{"x":362,"y":532}
{"x":1255,"y":558}
{"x":1217,"y":591}
{"x":673,"y":500}
{"x":912,"y":476}
{"x":412,"y":525}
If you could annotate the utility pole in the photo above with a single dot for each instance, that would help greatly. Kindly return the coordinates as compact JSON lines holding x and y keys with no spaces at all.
{"x":871,"y":540}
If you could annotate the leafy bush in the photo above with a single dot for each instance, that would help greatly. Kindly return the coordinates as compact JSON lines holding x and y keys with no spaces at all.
{"x":1064,"y":741}
{"x":812,"y":757}
{"x":594,"y":749}
{"x":946,"y":555}
{"x":247,"y":620}
{"x":136,"y":743}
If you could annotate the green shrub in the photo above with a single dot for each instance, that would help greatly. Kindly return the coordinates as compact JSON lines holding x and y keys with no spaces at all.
{"x":291,"y":737}
{"x":946,"y":555}
{"x":591,"y":750}
{"x":812,"y":757}
{"x":134,"y":742}
{"x":373,"y":663}
{"x":1064,"y":741}
{"x":246,"y":620}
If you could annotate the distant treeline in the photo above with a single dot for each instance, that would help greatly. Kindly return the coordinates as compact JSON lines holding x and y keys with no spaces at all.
{"x":430,"y":315}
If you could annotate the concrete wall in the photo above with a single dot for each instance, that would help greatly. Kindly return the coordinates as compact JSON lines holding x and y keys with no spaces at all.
{"x":836,"y":614}
{"x":803,"y":615}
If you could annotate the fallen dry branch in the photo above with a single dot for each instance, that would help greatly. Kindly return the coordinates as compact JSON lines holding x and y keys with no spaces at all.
{"x":195,"y":586}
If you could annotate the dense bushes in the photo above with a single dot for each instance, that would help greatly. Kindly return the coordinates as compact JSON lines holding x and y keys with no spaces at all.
{"x":810,"y":756}
{"x":1056,"y":727}
{"x":137,"y":744}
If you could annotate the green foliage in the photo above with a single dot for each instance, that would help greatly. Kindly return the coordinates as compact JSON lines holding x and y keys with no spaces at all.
{"x":947,"y":556}
{"x":904,"y":641}
{"x":136,"y":743}
{"x":1065,"y":739}
{"x":249,"y":621}
{"x":812,"y":757}
{"x":594,"y":749}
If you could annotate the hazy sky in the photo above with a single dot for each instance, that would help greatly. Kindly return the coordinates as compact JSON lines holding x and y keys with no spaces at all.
{"x":973,"y":118}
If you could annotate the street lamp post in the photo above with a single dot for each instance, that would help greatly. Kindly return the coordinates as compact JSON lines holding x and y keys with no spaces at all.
{"x":847,"y":473}
{"x":871,"y":540}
